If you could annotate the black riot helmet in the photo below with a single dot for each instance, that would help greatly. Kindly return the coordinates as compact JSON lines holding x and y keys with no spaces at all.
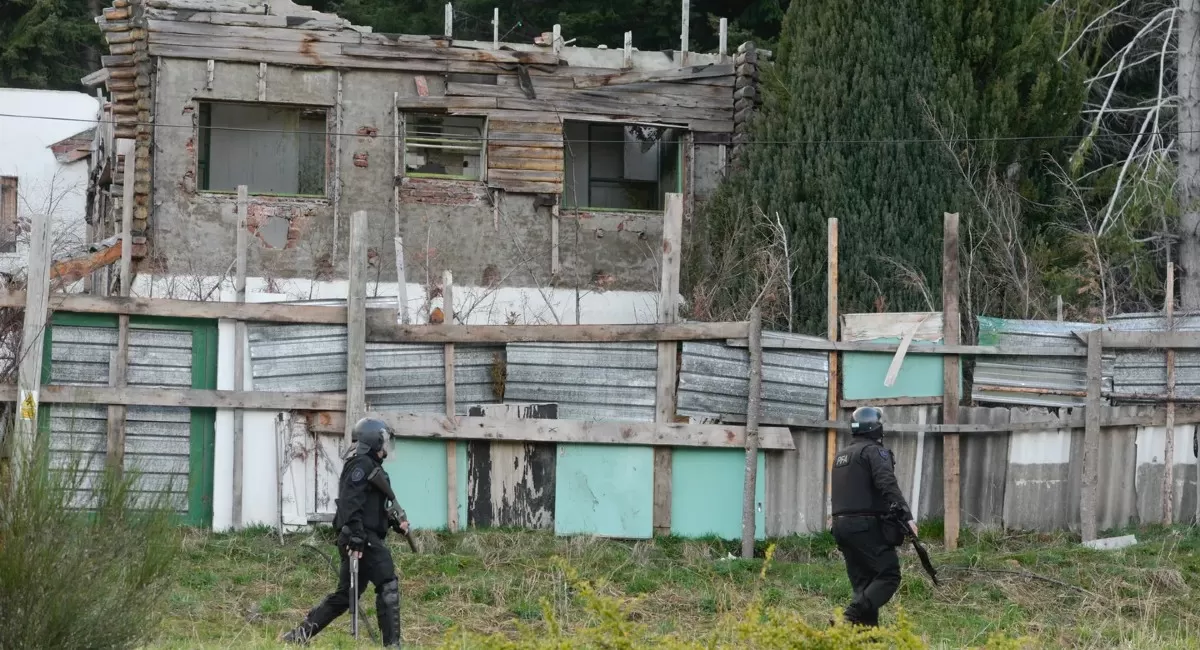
{"x":867,"y":421}
{"x":371,"y":435}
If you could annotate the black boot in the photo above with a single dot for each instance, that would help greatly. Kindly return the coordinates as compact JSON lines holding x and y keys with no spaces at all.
{"x":301,"y":634}
{"x":387,"y":608}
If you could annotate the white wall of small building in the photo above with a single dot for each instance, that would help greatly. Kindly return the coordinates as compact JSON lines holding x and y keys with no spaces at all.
{"x":45,"y":186}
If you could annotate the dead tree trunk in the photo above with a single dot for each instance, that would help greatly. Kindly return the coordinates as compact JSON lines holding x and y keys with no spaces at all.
{"x":1188,"y":187}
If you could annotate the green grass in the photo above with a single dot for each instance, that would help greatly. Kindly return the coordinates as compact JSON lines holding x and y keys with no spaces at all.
{"x":242,"y":590}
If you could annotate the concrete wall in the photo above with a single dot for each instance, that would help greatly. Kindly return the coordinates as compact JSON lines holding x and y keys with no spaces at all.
{"x":44,"y":185}
{"x":446,"y":224}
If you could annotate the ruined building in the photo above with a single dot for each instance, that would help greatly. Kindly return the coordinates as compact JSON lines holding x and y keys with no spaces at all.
{"x":513,"y":164}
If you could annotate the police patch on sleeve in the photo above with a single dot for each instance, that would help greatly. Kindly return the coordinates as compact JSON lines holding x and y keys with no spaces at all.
{"x":883,"y":453}
{"x":842,"y":460}
{"x":357,"y":475}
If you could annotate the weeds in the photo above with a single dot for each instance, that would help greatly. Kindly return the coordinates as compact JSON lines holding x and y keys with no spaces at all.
{"x":84,"y":556}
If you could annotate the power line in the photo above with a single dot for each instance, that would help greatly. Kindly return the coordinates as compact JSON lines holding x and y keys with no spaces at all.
{"x":891,"y":141}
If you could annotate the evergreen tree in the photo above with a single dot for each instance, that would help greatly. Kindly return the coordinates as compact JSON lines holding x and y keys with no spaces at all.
{"x":48,"y":44}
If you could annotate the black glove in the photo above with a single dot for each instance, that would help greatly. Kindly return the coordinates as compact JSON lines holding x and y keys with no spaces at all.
{"x":350,"y":541}
{"x":396,"y":517}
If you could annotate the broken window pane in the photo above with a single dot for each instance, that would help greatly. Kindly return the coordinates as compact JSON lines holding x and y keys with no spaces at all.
{"x":270,"y":149}
{"x":443,"y":146}
{"x":619,"y":166}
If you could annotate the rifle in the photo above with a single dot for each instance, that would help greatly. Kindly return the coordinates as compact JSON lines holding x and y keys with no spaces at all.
{"x":926,"y":563}
{"x":395,"y":513}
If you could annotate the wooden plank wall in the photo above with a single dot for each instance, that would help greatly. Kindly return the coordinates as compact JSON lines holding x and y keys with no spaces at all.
{"x":511,"y":483}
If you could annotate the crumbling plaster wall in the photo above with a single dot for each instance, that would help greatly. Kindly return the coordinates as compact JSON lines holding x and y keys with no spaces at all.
{"x":445,"y":224}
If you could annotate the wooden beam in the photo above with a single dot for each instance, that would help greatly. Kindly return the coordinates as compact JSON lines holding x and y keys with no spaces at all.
{"x":239,"y":350}
{"x":118,"y":369}
{"x":1168,"y":486}
{"x":186,"y":397}
{"x":384,"y":332}
{"x":667,"y":376}
{"x":770,"y":343}
{"x":707,"y":71}
{"x":29,"y":371}
{"x":833,"y":391}
{"x":753,"y":407}
{"x":424,"y":425}
{"x":262,"y":312}
{"x":451,"y":445}
{"x":685,"y":23}
{"x":1091,"y":439}
{"x":950,"y":390}
{"x":128,"y":180}
{"x":1160,"y":340}
{"x":356,"y":330}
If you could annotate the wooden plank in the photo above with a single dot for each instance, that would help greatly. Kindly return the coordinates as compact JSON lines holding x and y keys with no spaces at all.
{"x":1091,"y":439}
{"x":498,"y":152}
{"x":160,"y":28}
{"x":314,"y":57}
{"x":834,"y":386}
{"x":186,"y":398}
{"x":525,"y":176}
{"x":128,"y":182}
{"x":1168,"y":484}
{"x":1163,"y":340}
{"x":451,"y":446}
{"x":380,"y":330}
{"x":681,"y":74}
{"x":425,"y":425}
{"x":667,"y":376}
{"x":552,"y":126}
{"x":118,"y":368}
{"x":511,"y":483}
{"x":225,"y":6}
{"x":553,"y":141}
{"x":259,"y":312}
{"x":405,"y":52}
{"x":527,"y":187}
{"x":664,"y":97}
{"x":29,"y":370}
{"x":617,"y":108}
{"x":753,"y":408}
{"x":308,"y":22}
{"x":770,"y":343}
{"x":239,"y":349}
{"x":950,"y":391}
{"x":505,"y":163}
{"x":445,"y":102}
{"x":356,"y":334}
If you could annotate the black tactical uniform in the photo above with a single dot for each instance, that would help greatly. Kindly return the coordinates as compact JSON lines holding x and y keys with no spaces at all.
{"x":363,"y":519}
{"x":865,"y":492}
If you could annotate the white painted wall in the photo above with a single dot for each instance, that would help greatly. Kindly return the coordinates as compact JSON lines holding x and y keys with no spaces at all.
{"x":44,"y":185}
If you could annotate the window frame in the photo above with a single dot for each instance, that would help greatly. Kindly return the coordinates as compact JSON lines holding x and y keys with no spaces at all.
{"x":590,"y":179}
{"x":406,"y":119}
{"x":204,"y":144}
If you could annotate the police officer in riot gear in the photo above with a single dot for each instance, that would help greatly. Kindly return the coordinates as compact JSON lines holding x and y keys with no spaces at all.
{"x":363,"y":518}
{"x":868,"y":511}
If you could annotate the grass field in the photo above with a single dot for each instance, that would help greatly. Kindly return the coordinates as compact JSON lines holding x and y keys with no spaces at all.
{"x":242,"y":590}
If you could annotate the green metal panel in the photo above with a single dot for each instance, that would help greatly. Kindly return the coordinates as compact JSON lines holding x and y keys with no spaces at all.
{"x":605,"y":490}
{"x":920,"y":374}
{"x":204,"y":376}
{"x":460,"y":461}
{"x":418,"y":472}
{"x":706,"y":493}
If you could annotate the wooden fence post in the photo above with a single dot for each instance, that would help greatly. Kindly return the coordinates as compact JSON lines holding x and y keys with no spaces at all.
{"x":1091,"y":439}
{"x":668,"y":359}
{"x":753,"y":406}
{"x":29,"y":372}
{"x":119,"y":361}
{"x":239,"y":353}
{"x":356,"y":325}
{"x":451,"y":407}
{"x":832,"y":394}
{"x":950,"y":367}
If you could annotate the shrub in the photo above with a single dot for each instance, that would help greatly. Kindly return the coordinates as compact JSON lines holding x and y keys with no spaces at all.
{"x":80,"y":574}
{"x":611,"y":626}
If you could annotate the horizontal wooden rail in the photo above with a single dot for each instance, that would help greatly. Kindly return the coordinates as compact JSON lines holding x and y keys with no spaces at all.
{"x":815,"y":345}
{"x":1110,"y":417}
{"x":420,"y":425}
{"x":553,"y":333}
{"x":184,"y":397}
{"x":165,"y":307}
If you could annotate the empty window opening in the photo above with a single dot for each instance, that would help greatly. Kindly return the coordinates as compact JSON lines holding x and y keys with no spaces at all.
{"x":8,"y":214}
{"x":620,"y":166}
{"x":444,"y":146}
{"x":269,"y":149}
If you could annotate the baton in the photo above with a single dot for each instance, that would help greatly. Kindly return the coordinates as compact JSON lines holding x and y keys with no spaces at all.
{"x":353,"y":594}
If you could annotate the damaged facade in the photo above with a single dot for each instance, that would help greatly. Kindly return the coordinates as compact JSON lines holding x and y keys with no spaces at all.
{"x":516,"y":165}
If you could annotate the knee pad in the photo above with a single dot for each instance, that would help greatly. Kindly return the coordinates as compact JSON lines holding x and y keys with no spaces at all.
{"x":390,"y":593}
